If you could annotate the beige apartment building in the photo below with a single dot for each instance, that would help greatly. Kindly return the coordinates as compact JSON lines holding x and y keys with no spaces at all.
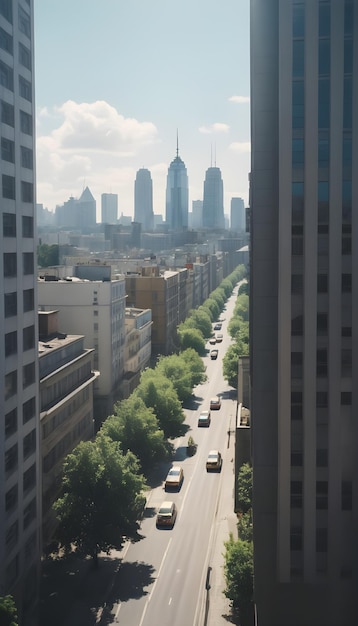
{"x":138,"y":347}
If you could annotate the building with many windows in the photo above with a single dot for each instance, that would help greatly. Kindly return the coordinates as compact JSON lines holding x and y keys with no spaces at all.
{"x":20,"y":485}
{"x":143,"y":200}
{"x":213,"y":200}
{"x":304,"y":310}
{"x":177,"y":195}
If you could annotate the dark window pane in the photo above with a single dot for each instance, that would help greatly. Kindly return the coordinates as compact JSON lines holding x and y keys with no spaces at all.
{"x":298,"y":21}
{"x":11,"y":459}
{"x":28,"y":410}
{"x":7,"y":150}
{"x":27,"y":159}
{"x":321,"y":494}
{"x":321,"y":539}
{"x":27,"y":192}
{"x":6,"y":10}
{"x":29,"y":478}
{"x":298,"y":63}
{"x":322,"y":457}
{"x":323,"y":103}
{"x":348,"y":18}
{"x":6,"y":76}
{"x":10,"y":264}
{"x":346,"y":283}
{"x":297,"y":325}
{"x":28,"y":337}
{"x":322,"y":283}
{"x":28,"y":263}
{"x":6,"y":41}
{"x":9,"y":224}
{"x":10,"y":423}
{"x":30,"y":513}
{"x":298,"y":152}
{"x":324,"y":57}
{"x":322,"y":399}
{"x":324,"y":17}
{"x":10,"y":384}
{"x":323,"y":152}
{"x":346,"y":495}
{"x":296,"y":494}
{"x":322,"y":367}
{"x":8,"y":187}
{"x":322,"y":323}
{"x":11,"y":498}
{"x":30,"y":443}
{"x":29,"y":300}
{"x":298,"y":100}
{"x":25,"y":89}
{"x":10,"y":304}
{"x":27,"y":226}
{"x":24,"y":56}
{"x":25,"y":123}
{"x":346,"y":398}
{"x":11,"y":343}
{"x":7,"y":113}
{"x":24,"y":23}
{"x":296,"y":283}
{"x":347,"y":102}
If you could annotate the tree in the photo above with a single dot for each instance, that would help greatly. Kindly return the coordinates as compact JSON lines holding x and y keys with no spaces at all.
{"x":196,"y":366}
{"x":212,"y":307}
{"x":47,"y":255}
{"x":136,"y":428}
{"x":230,"y":365}
{"x":8,"y":612}
{"x":175,"y":368}
{"x":239,"y":570}
{"x":244,"y":488}
{"x":102,"y":497}
{"x":158,"y":392}
{"x":191,"y":338}
{"x":200,"y":318}
{"x":242,"y":307}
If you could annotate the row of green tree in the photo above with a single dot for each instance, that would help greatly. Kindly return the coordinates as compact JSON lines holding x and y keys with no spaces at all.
{"x":238,"y":329}
{"x":104,"y":480}
{"x":197,"y":327}
{"x":239,"y":565}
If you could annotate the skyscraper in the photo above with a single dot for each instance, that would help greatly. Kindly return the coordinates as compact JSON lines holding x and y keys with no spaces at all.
{"x":237,"y":215}
{"x":304,"y":310}
{"x":143,"y":200}
{"x":213,"y":201}
{"x":177,"y":196}
{"x":20,"y":502}
{"x":109,"y":208}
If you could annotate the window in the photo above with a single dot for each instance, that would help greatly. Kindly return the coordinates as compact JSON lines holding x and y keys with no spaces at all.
{"x":296,"y":538}
{"x":322,"y":283}
{"x":346,"y":283}
{"x":10,"y":304}
{"x":347,"y":102}
{"x":296,"y":364}
{"x":321,"y":399}
{"x":9,"y":224}
{"x":12,"y":535}
{"x":11,"y":343}
{"x":10,"y":384}
{"x":25,"y":89}
{"x":297,"y":325}
{"x":324,"y":18}
{"x":29,"y":300}
{"x":296,"y":459}
{"x":6,"y":41}
{"x":30,"y":513}
{"x":321,"y":366}
{"x":11,"y":498}
{"x":28,"y":410}
{"x":11,"y":459}
{"x":346,"y":495}
{"x":28,"y":337}
{"x":8,"y":187}
{"x":27,"y":158}
{"x":346,"y":398}
{"x":346,"y":244}
{"x":321,"y":539}
{"x":298,"y":152}
{"x":24,"y":56}
{"x":298,"y":102}
{"x":28,"y":263}
{"x":298,"y":21}
{"x":297,"y":245}
{"x":7,"y":113}
{"x":27,"y":192}
{"x":322,"y":457}
{"x":27,"y":226}
{"x":25,"y":123}
{"x":298,"y":59}
{"x":6,"y":76}
{"x":321,"y":494}
{"x":10,"y":264}
{"x":296,"y":283}
{"x":6,"y":10}
{"x":346,"y":362}
{"x":7,"y":150}
{"x":29,"y":478}
{"x":323,"y":152}
{"x":24,"y":23}
{"x":324,"y":57}
{"x":296,"y":494}
{"x":346,"y":331}
{"x":348,"y":56}
{"x":296,"y":405}
{"x":323,"y":102}
{"x":322,"y":324}
{"x":29,"y":443}
{"x":297,"y":202}
{"x":10,"y":423}
{"x":28,"y":373}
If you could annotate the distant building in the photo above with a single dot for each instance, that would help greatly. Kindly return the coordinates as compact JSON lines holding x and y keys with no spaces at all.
{"x":196,"y":216}
{"x":109,"y":208}
{"x":44,"y":216}
{"x":237,"y":215}
{"x":138,"y":326}
{"x":143,"y":200}
{"x":66,"y":395}
{"x":79,"y":213}
{"x":213,"y":200}
{"x":177,"y":195}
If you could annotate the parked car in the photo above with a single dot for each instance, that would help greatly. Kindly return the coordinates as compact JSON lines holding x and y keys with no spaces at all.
{"x":218,"y":326}
{"x":219,"y":337}
{"x":166,"y":515}
{"x":212,"y":341}
{"x":215,"y":403}
{"x":204,"y":418}
{"x":214,"y":354}
{"x":174,"y":478}
{"x":214,"y":461}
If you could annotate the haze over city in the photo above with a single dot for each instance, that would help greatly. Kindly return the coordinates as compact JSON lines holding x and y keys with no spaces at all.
{"x":113,"y":88}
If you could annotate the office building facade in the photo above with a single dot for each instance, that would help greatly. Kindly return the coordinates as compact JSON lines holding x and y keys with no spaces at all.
{"x":143,"y":200}
{"x":20,"y":488}
{"x":109,"y":208}
{"x":237,"y":215}
{"x":177,"y":195}
{"x":213,"y":200}
{"x":304,"y":310}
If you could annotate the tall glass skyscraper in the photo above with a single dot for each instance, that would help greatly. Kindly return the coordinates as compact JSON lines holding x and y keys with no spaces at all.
{"x":177,"y":196}
{"x":304,"y":310}
{"x":213,"y":201}
{"x":143,"y":200}
{"x":20,"y":470}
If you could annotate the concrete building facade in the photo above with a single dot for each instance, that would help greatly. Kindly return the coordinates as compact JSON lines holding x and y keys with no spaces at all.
{"x":109,"y":208}
{"x":304,"y":310}
{"x":20,"y":481}
{"x":138,"y":346}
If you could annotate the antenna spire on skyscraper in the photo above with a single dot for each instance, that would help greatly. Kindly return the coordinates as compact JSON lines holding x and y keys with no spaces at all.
{"x":177,"y":143}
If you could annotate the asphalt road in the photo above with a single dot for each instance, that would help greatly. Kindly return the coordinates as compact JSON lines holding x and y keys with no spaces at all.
{"x":163,"y":576}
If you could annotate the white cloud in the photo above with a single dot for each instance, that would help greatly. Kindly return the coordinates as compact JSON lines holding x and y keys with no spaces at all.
{"x":217,"y":127}
{"x":240,"y":146}
{"x":239,"y":99}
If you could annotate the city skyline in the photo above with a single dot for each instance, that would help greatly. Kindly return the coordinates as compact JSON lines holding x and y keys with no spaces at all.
{"x":105,"y":111}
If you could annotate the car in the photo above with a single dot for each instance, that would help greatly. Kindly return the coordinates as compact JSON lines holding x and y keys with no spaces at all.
{"x":204,"y":418}
{"x":214,"y":461}
{"x":219,"y":337}
{"x":212,"y":341}
{"x":174,"y":478}
{"x":214,"y":354}
{"x":218,"y":326}
{"x":215,"y":403}
{"x":167,"y":514}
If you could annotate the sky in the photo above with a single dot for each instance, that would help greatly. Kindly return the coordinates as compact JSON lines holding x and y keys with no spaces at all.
{"x":116,"y":80}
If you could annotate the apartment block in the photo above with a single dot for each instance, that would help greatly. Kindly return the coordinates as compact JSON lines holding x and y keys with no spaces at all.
{"x":138,"y":347}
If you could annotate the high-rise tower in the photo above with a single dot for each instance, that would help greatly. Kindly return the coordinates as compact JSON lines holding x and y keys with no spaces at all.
{"x":213,"y":200}
{"x":20,"y":501}
{"x":304,"y":310}
{"x":143,"y":200}
{"x":237,"y":215}
{"x":109,"y":208}
{"x":177,"y":196}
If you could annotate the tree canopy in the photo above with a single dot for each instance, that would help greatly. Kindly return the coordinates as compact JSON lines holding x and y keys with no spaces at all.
{"x":8,"y":612}
{"x":158,"y":392}
{"x":200,"y":318}
{"x":244,"y":488}
{"x":239,"y":570}
{"x":47,"y":255}
{"x":175,"y":368}
{"x":196,"y":366}
{"x":102,"y":497}
{"x":191,"y":338}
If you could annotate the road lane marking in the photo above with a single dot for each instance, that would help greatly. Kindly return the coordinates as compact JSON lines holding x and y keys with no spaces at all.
{"x":170,"y":601}
{"x":155,"y":582}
